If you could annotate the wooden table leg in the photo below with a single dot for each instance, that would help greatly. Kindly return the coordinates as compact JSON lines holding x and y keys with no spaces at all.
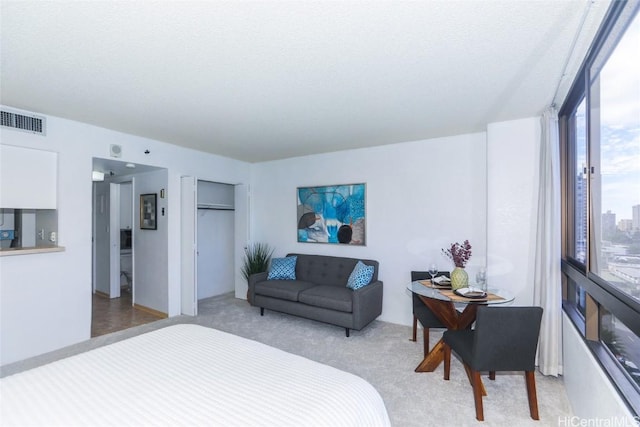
{"x":469,"y":375}
{"x":433,"y":359}
{"x":449,"y":316}
{"x":446,"y":312}
{"x":415,"y":328}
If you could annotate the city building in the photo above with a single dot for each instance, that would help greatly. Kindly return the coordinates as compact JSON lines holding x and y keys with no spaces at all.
{"x":625,"y":225}
{"x":608,"y":225}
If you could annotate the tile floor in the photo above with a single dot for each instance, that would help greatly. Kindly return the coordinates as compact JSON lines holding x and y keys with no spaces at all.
{"x":115,"y":314}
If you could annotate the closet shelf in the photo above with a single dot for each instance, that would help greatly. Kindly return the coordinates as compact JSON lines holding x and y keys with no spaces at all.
{"x":216,"y":206}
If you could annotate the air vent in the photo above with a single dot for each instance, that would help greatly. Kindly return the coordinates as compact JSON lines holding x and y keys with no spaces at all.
{"x":31,"y":123}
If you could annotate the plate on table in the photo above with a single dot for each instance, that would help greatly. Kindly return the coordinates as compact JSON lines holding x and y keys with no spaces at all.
{"x":472,"y":293}
{"x":441,"y":282}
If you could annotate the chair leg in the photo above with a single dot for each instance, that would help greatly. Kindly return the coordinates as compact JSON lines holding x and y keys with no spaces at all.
{"x":492,"y":375}
{"x":415,"y":328}
{"x":477,"y":394}
{"x":261,"y":311}
{"x":447,"y":361}
{"x":425,"y":341}
{"x":531,"y":393}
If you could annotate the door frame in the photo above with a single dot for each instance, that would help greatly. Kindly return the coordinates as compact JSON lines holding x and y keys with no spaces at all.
{"x":188,"y":246}
{"x":114,"y":240}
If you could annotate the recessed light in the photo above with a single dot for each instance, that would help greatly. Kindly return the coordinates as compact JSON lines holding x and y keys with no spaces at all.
{"x":130,"y":165}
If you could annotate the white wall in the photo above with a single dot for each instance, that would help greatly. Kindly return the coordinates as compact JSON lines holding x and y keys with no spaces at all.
{"x":512,"y":186}
{"x":590,"y":392}
{"x":420,"y":197}
{"x":45,"y":299}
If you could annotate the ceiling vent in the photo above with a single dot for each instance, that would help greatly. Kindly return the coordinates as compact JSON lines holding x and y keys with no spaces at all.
{"x":27,"y":123}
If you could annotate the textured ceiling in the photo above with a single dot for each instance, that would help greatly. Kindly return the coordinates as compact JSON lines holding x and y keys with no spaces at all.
{"x":267,"y":80}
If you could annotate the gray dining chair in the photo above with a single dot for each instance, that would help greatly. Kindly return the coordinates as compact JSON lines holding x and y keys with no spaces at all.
{"x":422,"y":313}
{"x":504,"y":339}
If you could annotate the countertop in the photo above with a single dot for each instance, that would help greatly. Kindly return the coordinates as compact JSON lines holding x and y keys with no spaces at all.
{"x":31,"y":250}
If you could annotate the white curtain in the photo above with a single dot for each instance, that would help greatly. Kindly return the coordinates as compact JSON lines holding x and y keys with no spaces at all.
{"x":547,"y":279}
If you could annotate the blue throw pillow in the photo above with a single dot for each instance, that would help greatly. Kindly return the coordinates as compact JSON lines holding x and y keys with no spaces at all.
{"x":360,"y":276}
{"x":283,"y":268}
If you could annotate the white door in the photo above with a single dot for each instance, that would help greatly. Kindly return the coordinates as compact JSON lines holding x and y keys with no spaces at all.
{"x":242,"y":235}
{"x":188,"y":245}
{"x":114,"y":240}
{"x":101,"y":237}
{"x":106,"y":239}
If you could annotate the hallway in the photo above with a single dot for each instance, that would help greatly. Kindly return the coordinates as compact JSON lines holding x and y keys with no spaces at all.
{"x":115,"y":314}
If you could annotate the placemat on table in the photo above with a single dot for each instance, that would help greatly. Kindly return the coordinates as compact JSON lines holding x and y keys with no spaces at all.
{"x":430,"y":284}
{"x":457,"y":298}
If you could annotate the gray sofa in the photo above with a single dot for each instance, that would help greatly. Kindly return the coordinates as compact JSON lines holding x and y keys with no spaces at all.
{"x":320,"y":292}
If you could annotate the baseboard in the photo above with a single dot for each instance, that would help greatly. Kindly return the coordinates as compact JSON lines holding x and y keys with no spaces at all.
{"x":150,"y":311}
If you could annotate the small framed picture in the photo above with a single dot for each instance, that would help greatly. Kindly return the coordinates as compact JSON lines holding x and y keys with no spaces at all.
{"x":148,"y":211}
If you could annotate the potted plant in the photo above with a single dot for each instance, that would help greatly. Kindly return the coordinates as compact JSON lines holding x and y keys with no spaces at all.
{"x":459,"y":254}
{"x":256,"y":260}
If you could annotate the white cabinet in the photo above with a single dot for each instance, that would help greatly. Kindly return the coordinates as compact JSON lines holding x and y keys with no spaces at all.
{"x":28,"y":178}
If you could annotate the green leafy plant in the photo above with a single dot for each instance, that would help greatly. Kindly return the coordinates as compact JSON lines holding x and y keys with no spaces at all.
{"x":256,"y":259}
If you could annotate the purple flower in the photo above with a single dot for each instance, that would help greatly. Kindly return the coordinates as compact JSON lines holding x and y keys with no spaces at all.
{"x":459,"y":253}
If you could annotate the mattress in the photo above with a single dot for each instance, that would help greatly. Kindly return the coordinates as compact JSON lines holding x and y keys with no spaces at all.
{"x":189,"y":375}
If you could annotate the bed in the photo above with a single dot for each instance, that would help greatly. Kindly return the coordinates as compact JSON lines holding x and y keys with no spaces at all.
{"x":189,"y":375}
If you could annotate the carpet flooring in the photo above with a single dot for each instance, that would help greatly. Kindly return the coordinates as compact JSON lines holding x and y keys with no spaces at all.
{"x":381,"y":353}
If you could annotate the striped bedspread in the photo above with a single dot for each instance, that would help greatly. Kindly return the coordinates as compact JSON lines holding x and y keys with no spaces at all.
{"x":188,"y":375}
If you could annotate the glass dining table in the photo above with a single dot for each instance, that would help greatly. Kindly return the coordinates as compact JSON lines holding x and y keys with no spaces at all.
{"x":454,"y":311}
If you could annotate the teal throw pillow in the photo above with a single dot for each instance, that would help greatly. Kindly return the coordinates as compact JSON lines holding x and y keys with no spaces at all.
{"x":360,"y":276}
{"x":283,"y":268}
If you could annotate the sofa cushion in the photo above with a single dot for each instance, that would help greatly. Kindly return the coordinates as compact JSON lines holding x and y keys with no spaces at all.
{"x":360,"y":276}
{"x":328,"y":270}
{"x":283,"y":268}
{"x":326,"y":296}
{"x":282,"y":289}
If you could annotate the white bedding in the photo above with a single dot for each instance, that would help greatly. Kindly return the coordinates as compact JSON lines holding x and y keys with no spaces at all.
{"x":189,"y":375}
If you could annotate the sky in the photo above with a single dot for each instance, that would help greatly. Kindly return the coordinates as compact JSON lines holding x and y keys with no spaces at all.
{"x":620,"y":125}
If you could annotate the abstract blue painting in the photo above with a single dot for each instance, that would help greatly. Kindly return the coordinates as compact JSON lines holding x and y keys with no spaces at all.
{"x":332,"y":214}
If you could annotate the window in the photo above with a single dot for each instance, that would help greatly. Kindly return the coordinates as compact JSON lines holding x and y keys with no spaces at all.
{"x":580,"y":175}
{"x":600,"y":137}
{"x":615,"y":157}
{"x":622,"y":343}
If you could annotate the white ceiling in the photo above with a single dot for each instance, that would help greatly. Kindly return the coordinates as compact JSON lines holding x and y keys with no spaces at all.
{"x":268,"y":80}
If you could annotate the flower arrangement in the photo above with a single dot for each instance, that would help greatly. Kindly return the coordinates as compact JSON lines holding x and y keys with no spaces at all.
{"x":459,"y":253}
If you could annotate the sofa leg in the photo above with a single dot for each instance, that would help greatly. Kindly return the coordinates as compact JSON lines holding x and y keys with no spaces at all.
{"x":261,"y":311}
{"x":347,"y":331}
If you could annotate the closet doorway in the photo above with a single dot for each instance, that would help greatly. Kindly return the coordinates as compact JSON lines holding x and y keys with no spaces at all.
{"x":208,"y":241}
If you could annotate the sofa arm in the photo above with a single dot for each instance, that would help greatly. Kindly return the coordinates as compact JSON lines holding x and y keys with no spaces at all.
{"x":253,"y":279}
{"x":367,"y":304}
